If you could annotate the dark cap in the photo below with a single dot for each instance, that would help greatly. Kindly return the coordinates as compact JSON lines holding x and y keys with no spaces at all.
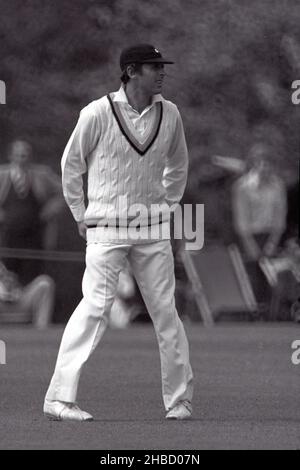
{"x":142,"y":54}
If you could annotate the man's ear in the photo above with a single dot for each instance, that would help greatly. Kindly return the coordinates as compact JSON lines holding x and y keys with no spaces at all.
{"x":131,"y":72}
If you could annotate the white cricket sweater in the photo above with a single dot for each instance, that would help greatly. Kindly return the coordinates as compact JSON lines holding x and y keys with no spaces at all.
{"x":132,"y":159}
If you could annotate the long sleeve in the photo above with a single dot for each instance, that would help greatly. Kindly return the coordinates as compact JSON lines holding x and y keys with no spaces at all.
{"x":48,"y":189}
{"x":81,"y":143}
{"x":175,"y":173}
{"x":280,"y":208}
{"x":4,"y":182}
{"x":241,"y":210}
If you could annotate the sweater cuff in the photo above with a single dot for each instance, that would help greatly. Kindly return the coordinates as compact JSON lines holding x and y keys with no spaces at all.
{"x":78,"y":212}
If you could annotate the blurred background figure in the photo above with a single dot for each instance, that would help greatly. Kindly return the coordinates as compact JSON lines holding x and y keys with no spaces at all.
{"x":259,"y":203}
{"x":30,"y":201}
{"x":124,"y":308}
{"x":32,"y":303}
{"x":295,"y":311}
{"x":283,"y":274}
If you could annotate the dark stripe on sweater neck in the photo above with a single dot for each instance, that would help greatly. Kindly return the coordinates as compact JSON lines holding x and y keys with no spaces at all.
{"x":138,"y":147}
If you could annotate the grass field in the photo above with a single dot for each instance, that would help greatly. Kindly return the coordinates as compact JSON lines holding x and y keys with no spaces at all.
{"x":247,"y":391}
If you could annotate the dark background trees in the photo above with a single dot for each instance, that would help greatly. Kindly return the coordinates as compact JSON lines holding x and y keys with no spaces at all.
{"x":235,"y":61}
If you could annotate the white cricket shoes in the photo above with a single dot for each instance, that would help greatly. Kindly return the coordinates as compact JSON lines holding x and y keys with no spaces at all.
{"x":183,"y":410}
{"x":62,"y":411}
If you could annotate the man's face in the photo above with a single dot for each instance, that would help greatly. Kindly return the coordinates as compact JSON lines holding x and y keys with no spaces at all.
{"x":150,"y":78}
{"x":20,"y":153}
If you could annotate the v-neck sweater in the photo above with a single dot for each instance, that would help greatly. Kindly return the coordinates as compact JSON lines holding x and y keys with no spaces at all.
{"x":119,"y":177}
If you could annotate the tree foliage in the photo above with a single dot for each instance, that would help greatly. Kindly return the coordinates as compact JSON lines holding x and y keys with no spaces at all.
{"x":235,"y":61}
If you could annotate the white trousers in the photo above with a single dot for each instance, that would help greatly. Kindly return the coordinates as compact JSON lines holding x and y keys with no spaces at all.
{"x":153,"y":267}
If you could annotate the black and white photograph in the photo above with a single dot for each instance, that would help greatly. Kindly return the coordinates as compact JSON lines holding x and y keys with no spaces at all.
{"x":149,"y":228}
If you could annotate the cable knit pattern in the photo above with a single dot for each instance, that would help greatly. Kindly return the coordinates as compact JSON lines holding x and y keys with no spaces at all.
{"x":115,"y":169}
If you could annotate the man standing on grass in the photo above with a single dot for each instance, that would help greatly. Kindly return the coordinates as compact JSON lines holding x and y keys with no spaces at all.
{"x":131,"y":143}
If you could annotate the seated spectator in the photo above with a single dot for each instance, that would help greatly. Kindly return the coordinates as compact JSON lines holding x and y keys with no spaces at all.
{"x":34,"y":302}
{"x":259,"y":213}
{"x":259,"y":206}
{"x":283,"y":273}
{"x":30,"y":196}
{"x":30,"y":199}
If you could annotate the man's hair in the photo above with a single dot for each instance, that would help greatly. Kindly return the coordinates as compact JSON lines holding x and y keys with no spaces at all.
{"x":125,"y":77}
